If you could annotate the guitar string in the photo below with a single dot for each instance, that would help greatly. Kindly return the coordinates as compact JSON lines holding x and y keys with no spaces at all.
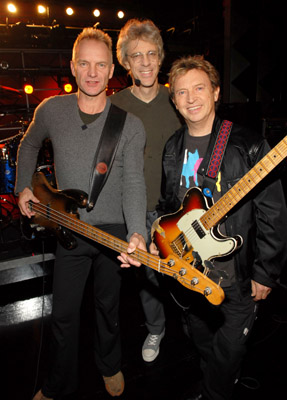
{"x":77,"y":225}
{"x":56,"y":216}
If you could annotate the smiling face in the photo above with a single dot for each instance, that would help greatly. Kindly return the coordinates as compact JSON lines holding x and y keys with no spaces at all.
{"x":195,"y":99}
{"x":92,"y":67}
{"x":143,"y":61}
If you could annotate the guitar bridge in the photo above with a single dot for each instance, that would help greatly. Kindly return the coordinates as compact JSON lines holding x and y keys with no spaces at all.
{"x":180,"y":245}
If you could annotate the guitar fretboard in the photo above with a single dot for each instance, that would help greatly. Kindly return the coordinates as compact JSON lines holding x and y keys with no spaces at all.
{"x":220,"y":209}
{"x":90,"y":232}
{"x":107,"y":240}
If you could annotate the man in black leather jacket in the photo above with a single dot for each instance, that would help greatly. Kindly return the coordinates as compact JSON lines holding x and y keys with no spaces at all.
{"x":253,"y":269}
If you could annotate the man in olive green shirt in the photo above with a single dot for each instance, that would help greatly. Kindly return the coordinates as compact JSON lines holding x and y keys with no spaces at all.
{"x":140,"y":52}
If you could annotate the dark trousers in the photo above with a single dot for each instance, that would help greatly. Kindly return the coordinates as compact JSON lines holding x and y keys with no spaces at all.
{"x":150,"y":293}
{"x":71,"y":271}
{"x":220,"y":334}
{"x":150,"y":296}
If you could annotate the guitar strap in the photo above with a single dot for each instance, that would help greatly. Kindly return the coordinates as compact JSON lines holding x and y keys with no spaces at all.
{"x":216,"y":158}
{"x":105,"y":153}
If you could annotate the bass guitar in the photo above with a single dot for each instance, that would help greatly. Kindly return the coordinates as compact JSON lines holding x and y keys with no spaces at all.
{"x":192,"y":233}
{"x":57,"y":210}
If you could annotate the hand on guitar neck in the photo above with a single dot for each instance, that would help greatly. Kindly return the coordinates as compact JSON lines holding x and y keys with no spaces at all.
{"x":24,"y":200}
{"x":136,"y":242}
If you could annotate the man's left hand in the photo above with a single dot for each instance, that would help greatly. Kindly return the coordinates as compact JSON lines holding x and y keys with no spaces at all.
{"x":136,"y":242}
{"x":259,"y":292}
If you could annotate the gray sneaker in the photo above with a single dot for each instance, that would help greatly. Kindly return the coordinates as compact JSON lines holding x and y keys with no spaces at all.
{"x":150,"y":349}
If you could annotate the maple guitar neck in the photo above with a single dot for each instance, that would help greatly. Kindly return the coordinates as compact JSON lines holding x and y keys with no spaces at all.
{"x":94,"y":234}
{"x":220,"y":209}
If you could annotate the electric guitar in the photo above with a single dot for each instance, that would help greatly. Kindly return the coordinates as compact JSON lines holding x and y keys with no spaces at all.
{"x":57,"y":210}
{"x":192,"y":233}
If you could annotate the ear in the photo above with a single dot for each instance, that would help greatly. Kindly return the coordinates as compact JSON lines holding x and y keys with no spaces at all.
{"x":111,"y":71}
{"x":72,"y":68}
{"x":216,"y":94}
{"x":173,"y":100}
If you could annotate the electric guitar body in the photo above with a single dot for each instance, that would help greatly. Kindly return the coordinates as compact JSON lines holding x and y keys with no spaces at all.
{"x":183,"y":233}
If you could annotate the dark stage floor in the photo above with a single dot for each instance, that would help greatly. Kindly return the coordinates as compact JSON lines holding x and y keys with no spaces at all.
{"x":25,"y":304}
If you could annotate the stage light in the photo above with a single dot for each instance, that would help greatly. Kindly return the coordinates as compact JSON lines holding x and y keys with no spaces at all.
{"x":68,"y":87}
{"x":121,"y":14}
{"x":69,"y":11}
{"x":96,"y":12}
{"x":64,"y":84}
{"x":28,"y":89}
{"x":4,"y":64}
{"x":42,"y":9}
{"x":11,"y":8}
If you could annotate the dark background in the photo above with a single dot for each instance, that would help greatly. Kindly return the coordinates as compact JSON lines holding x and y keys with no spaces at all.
{"x":244,"y":39}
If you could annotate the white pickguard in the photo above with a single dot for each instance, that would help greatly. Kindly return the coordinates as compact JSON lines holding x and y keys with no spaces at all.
{"x":209,"y":246}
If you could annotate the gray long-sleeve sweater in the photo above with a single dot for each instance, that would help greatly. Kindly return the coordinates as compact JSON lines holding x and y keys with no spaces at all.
{"x":123,"y":197}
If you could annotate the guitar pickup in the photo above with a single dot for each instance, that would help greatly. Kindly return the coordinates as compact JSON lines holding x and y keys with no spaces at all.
{"x":198,"y":229}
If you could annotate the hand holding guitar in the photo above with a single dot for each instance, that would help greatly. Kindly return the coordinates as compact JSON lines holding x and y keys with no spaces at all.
{"x":136,"y":241}
{"x":153,"y":249}
{"x":24,"y":198}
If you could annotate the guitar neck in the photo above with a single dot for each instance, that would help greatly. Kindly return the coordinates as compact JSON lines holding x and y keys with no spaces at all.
{"x":220,"y":209}
{"x":95,"y":234}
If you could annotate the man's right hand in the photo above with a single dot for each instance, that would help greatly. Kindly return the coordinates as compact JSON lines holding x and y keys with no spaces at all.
{"x":23,"y":202}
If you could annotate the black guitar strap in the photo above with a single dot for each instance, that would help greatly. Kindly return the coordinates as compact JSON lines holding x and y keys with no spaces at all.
{"x":216,"y":158}
{"x":105,"y":153}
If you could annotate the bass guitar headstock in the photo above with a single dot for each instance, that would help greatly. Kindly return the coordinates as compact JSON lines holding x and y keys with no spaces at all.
{"x":193,"y":279}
